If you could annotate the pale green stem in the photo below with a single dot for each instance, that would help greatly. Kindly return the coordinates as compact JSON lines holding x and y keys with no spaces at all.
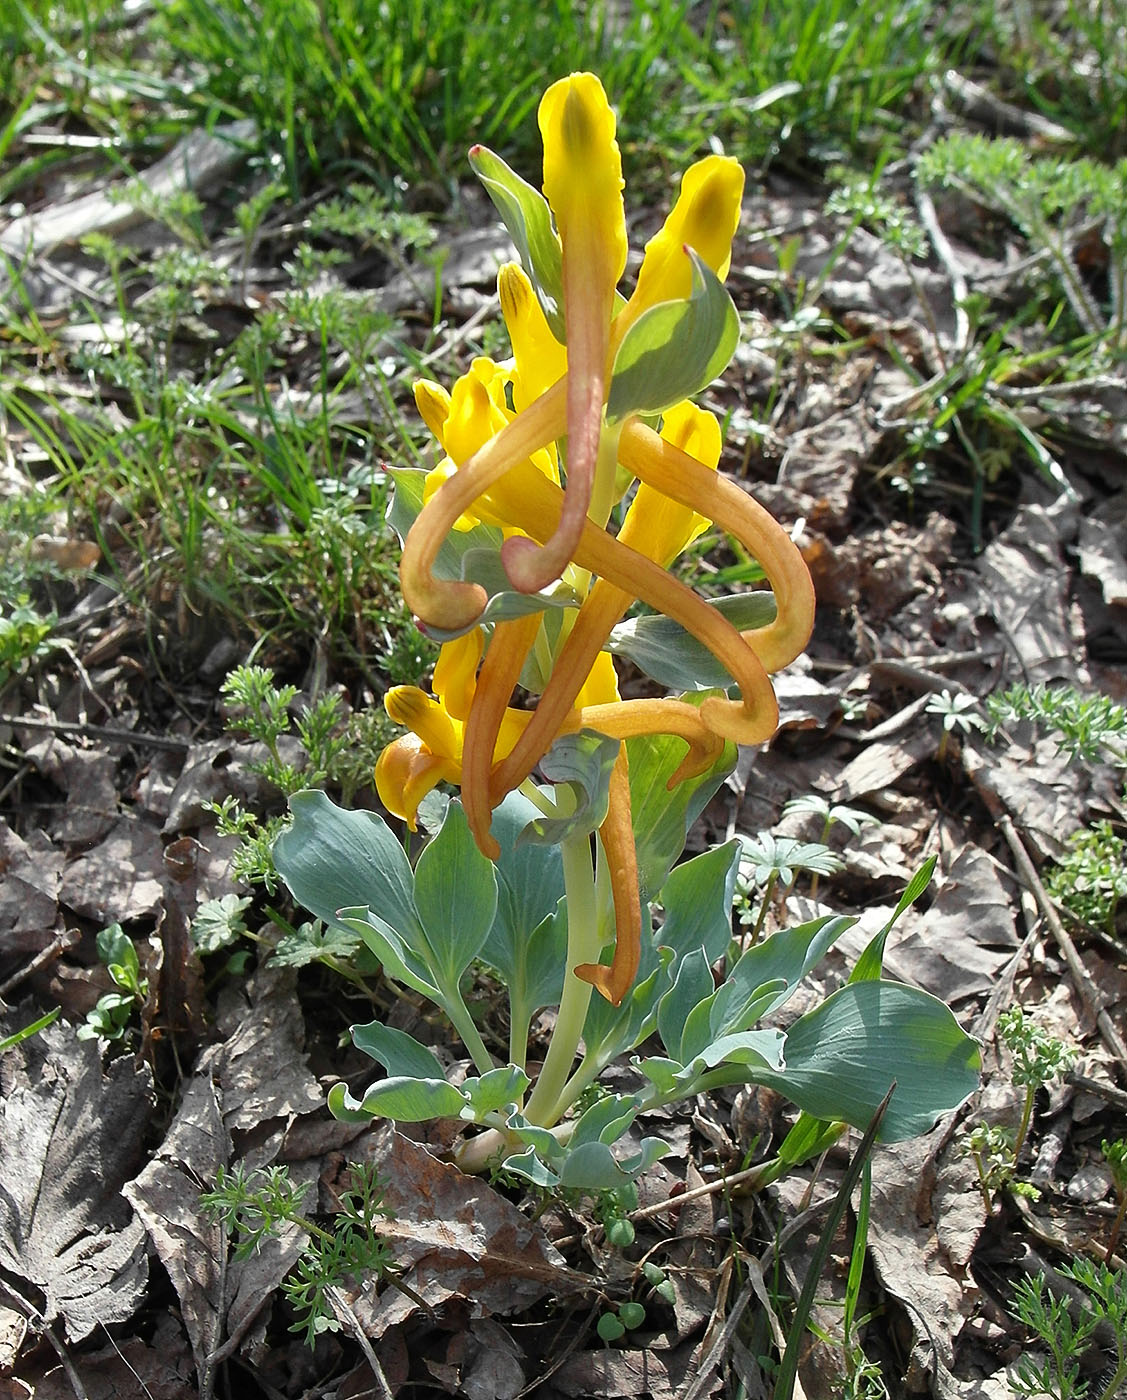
{"x":1026,"y":1115}
{"x":587,"y":1071}
{"x":463,"y":1023}
{"x":606,"y":473}
{"x":543,"y":804}
{"x":582,"y":947}
{"x":768,"y":891}
{"x":593,"y":1063}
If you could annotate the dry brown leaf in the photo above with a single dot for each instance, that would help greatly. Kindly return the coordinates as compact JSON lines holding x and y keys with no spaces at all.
{"x":161,"y":1370}
{"x":191,"y":1245}
{"x":69,"y":1140}
{"x":120,"y":879}
{"x":456,"y":1237}
{"x":957,"y":948}
{"x":261,"y":1068}
{"x":32,"y":872}
{"x":642,"y":1375}
{"x":922,"y":1230}
{"x":1027,"y":585}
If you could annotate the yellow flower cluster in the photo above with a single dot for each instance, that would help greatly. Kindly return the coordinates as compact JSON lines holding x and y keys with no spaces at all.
{"x":510,"y":434}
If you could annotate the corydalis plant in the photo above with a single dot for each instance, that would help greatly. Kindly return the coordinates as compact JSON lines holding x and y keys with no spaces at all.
{"x":571,"y":477}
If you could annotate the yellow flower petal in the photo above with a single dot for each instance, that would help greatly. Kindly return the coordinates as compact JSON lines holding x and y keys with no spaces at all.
{"x":540,"y":360}
{"x":405,"y":773}
{"x":655,"y":524}
{"x":583,"y":185}
{"x":414,"y":709}
{"x":705,"y":218}
{"x":433,"y":403}
{"x":504,"y":659}
{"x":454,"y":603}
{"x":455,"y":674}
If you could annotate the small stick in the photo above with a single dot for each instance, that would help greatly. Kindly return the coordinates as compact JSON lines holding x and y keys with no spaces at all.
{"x":41,"y":1325}
{"x":1082,"y":980}
{"x":61,"y":943}
{"x":97,"y":731}
{"x":345,"y":1314}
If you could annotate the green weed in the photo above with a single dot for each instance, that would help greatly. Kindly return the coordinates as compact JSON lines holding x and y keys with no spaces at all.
{"x":1067,"y":1331}
{"x":1090,"y":879}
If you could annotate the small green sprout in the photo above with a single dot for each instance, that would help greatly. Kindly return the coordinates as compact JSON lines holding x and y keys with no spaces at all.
{"x":1091,"y":727}
{"x":613,"y":1209}
{"x":959,"y":711}
{"x":659,"y":1281}
{"x":765,"y":861}
{"x":255,"y":1206}
{"x":1038,"y":1058}
{"x":832,"y":814}
{"x":611,"y":1327}
{"x":991,"y":1147}
{"x":24,"y":637}
{"x":1115,"y":1155}
{"x":109,"y":1019}
{"x":1090,"y":880}
{"x":1068,"y":1331}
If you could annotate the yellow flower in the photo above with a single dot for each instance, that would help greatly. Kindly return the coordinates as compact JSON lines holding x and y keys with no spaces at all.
{"x":527,"y":447}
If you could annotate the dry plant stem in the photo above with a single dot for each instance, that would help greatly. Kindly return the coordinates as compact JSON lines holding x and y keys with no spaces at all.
{"x":951,"y":265}
{"x":1108,"y":1092}
{"x":1116,"y":1227}
{"x":346,"y":1316}
{"x":98,"y":731}
{"x":36,"y":1318}
{"x":61,"y":943}
{"x":709,"y":1363}
{"x":1082,"y":980}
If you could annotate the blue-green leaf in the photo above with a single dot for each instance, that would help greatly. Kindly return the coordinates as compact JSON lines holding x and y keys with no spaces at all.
{"x":582,"y":764}
{"x":399,"y":1053}
{"x":594,"y":1167}
{"x":788,"y":955}
{"x":456,"y":896}
{"x":871,"y":961}
{"x":401,"y":1097}
{"x":605,"y":1121}
{"x":529,"y":889}
{"x":673,"y":657}
{"x":541,"y":1139}
{"x":693,"y":983}
{"x":842,"y":1057}
{"x":332,"y":859}
{"x":406,"y":505}
{"x":763,"y":1047}
{"x":400,"y":962}
{"x":482,"y":565}
{"x":493,"y":1091}
{"x":662,"y":817}
{"x":610,"y":1030}
{"x":661,"y":1072}
{"x":674,"y":349}
{"x":528,"y":1165}
{"x":697,"y":899}
{"x":526,"y":215}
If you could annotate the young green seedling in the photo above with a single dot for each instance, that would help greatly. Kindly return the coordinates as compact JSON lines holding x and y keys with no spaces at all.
{"x":1038,"y":1058}
{"x":959,"y":711}
{"x":1115,"y":1155}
